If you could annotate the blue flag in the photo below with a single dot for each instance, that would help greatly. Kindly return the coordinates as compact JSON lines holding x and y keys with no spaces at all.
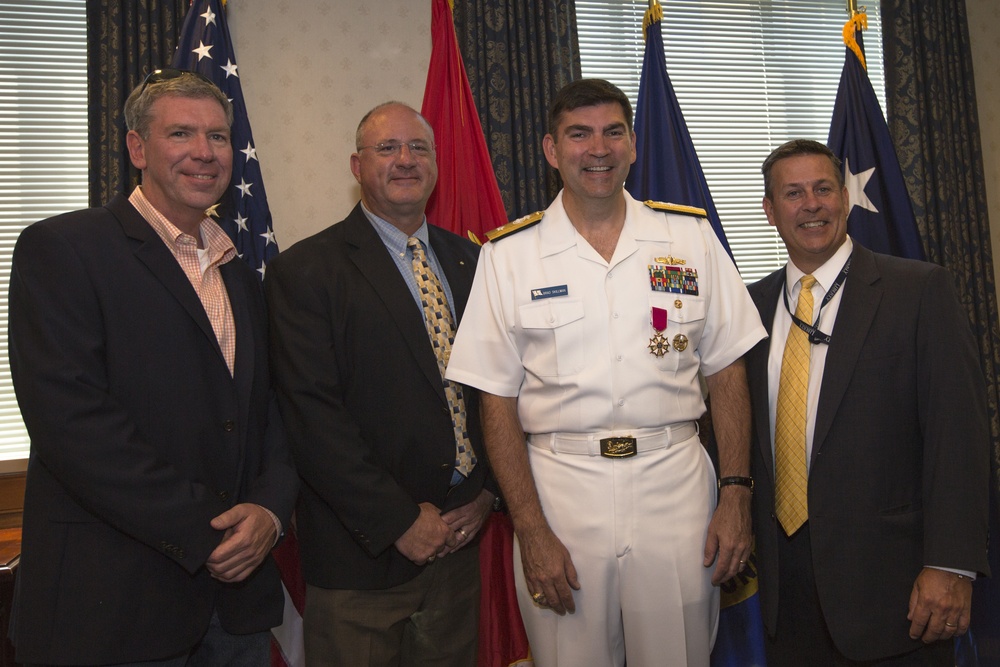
{"x":666,"y":166}
{"x":881,"y":216}
{"x":740,"y":640}
{"x":205,"y":47}
{"x":667,"y":169}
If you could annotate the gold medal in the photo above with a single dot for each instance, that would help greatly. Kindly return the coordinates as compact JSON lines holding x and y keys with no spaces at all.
{"x":658,"y":345}
{"x":680,"y":342}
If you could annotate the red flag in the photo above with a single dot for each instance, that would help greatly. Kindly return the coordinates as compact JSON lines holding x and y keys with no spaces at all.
{"x":502,"y":641}
{"x":466,"y":198}
{"x":287,"y":648}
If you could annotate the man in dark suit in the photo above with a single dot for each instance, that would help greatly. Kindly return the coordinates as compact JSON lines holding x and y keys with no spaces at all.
{"x":391,"y":499}
{"x":869,"y":557}
{"x":158,"y":478}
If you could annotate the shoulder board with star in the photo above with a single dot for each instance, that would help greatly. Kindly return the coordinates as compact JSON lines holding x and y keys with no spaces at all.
{"x":676,"y":208}
{"x":515,"y":226}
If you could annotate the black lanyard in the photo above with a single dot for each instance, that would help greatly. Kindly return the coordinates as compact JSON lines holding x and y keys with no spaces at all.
{"x":815,"y":335}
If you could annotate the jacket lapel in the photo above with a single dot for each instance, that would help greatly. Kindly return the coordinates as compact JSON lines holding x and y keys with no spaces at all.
{"x":858,"y":306}
{"x":373,"y":261}
{"x":246,"y":344}
{"x":766,"y":294}
{"x":151,"y":251}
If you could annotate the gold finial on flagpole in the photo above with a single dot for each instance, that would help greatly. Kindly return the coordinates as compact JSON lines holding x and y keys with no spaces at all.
{"x":653,"y":15}
{"x":857,"y":21}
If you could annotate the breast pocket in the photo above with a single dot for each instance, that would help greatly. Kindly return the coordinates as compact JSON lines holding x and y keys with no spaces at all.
{"x":553,"y":342}
{"x":685,"y":323}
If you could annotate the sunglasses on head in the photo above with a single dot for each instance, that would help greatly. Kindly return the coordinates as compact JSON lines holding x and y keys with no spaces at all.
{"x":167,"y":73}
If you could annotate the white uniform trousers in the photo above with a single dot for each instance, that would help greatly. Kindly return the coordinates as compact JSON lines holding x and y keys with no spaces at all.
{"x":635,"y":529}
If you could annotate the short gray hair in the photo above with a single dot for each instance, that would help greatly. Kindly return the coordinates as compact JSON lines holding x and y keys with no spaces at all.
{"x":186,"y":84}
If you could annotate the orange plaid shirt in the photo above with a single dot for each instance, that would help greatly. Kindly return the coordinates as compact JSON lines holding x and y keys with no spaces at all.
{"x":208,"y":285}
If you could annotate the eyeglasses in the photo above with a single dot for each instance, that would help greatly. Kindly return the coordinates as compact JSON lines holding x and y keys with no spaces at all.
{"x":393,"y":148}
{"x":166,"y":74}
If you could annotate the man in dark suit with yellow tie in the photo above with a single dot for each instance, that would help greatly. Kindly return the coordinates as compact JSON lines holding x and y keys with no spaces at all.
{"x":390,"y":454}
{"x":871,"y":454}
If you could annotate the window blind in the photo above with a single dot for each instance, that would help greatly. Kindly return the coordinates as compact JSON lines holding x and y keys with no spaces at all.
{"x":749,"y":75}
{"x":43,"y":146}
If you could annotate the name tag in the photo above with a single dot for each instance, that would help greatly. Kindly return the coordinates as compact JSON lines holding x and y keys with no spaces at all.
{"x":549,"y":292}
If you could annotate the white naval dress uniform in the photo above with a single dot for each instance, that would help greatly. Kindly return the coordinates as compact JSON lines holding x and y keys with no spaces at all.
{"x":551,"y":322}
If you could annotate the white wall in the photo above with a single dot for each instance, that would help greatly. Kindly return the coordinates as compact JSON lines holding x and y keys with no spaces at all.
{"x":310,"y":69}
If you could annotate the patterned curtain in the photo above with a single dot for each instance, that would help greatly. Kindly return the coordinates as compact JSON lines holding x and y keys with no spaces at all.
{"x":126,"y":40}
{"x":518,"y":54}
{"x":931,"y":99}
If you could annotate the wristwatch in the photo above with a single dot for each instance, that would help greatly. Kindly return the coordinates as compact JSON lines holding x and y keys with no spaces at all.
{"x":738,"y":481}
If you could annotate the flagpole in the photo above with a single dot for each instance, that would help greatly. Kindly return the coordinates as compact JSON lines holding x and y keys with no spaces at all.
{"x":852,"y":7}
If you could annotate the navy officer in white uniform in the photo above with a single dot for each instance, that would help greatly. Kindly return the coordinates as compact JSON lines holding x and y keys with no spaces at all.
{"x":586,"y":331}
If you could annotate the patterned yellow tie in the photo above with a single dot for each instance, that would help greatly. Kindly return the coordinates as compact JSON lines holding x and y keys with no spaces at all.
{"x":790,"y":470}
{"x":441,"y":330}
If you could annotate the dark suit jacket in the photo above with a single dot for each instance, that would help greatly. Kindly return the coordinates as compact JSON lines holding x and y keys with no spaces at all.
{"x":362,"y":398}
{"x":900,"y":458}
{"x":139,"y":437}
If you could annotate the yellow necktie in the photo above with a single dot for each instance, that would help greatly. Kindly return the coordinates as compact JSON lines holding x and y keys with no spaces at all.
{"x":441,"y":330}
{"x":790,"y":469}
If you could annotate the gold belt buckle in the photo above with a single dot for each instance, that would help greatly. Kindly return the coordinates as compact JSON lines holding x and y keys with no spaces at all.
{"x":618,"y":448}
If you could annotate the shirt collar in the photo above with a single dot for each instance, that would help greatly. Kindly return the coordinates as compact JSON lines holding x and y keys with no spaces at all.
{"x":825,"y":275}
{"x":218,"y":244}
{"x":391,"y":236}
{"x":557,"y":233}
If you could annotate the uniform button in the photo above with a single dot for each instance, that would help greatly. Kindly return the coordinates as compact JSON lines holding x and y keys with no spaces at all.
{"x":228,"y":425}
{"x":446,"y":466}
{"x":621,"y":401}
{"x":224,"y":495}
{"x":614,"y":315}
{"x":619,"y":357}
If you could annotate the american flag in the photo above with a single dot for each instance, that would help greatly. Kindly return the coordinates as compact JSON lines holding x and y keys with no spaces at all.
{"x":205,"y":47}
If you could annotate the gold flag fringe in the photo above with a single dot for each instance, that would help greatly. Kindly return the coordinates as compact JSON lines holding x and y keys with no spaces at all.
{"x":858,"y":21}
{"x":653,"y":15}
